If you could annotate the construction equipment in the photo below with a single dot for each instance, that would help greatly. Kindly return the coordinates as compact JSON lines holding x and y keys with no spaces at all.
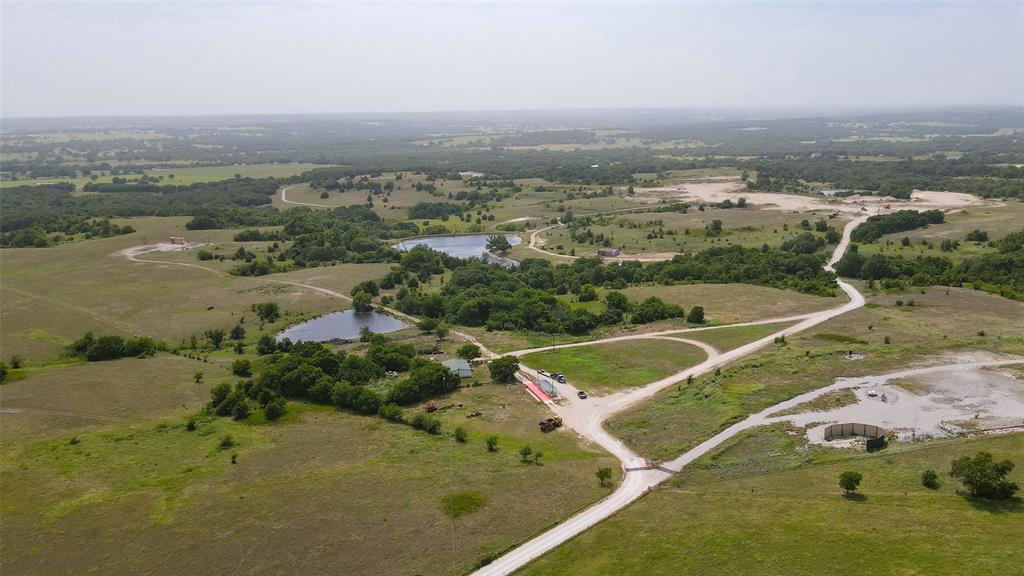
{"x":549,"y":424}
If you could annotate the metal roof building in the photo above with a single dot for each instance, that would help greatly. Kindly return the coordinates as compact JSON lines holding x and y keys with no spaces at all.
{"x":460,"y":367}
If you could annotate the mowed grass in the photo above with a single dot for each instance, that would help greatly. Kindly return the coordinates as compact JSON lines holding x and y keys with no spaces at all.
{"x":322,"y":492}
{"x":726,"y":338}
{"x":608,"y":367}
{"x":797,"y":522}
{"x":942,"y":323}
{"x":51,"y":296}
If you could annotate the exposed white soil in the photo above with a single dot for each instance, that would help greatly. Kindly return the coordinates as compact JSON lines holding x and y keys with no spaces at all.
{"x":955,"y":400}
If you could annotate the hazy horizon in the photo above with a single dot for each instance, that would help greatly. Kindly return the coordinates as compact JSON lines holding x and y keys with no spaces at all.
{"x":155,"y":59}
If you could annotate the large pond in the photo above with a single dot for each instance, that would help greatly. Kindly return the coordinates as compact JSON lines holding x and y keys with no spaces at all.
{"x":470,"y":246}
{"x":341,"y":325}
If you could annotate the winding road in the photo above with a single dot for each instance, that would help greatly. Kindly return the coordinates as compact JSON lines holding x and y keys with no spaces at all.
{"x":284,"y":198}
{"x":586,"y":417}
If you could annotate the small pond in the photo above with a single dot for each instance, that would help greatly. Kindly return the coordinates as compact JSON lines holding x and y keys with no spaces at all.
{"x":469,"y":246}
{"x":341,"y":325}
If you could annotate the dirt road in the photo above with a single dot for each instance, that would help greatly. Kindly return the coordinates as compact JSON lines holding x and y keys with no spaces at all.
{"x":587,"y":418}
{"x":284,"y":198}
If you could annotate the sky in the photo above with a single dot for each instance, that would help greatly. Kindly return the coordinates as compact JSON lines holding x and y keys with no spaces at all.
{"x":145,"y":58}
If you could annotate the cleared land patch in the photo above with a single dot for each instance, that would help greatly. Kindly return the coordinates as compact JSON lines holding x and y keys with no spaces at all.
{"x":679,"y":418}
{"x":617,"y":365}
{"x":727,"y":338}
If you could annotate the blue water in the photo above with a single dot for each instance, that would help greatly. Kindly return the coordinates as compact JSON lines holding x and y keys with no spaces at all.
{"x":473,"y":246}
{"x":344,"y":325}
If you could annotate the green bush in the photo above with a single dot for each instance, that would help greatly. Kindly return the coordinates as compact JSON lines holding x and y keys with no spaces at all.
{"x":275,"y":409}
{"x":241,"y":367}
{"x":427,"y":422}
{"x":391,"y":412}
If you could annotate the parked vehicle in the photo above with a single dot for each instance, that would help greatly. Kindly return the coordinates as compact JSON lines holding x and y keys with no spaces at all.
{"x":582,"y":395}
{"x":558,"y":376}
{"x":549,"y":424}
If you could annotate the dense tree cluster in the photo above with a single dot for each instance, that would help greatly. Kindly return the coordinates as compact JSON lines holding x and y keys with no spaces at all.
{"x":525,"y":298}
{"x":900,"y":221}
{"x":312,"y":371}
{"x":896,"y":179}
{"x":54,"y":231}
{"x":97,"y":348}
{"x":1000,"y":272}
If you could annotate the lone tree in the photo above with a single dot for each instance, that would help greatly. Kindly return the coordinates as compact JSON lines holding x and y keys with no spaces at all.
{"x":849,"y":481}
{"x":983,"y":477}
{"x":503,"y":370}
{"x":468,"y":351}
{"x":524,"y":453}
{"x":499,"y":244}
{"x":362,"y":302}
{"x":604,"y":475}
{"x":696,"y":315}
{"x":492,"y":443}
{"x":267,"y":311}
{"x":216,"y":337}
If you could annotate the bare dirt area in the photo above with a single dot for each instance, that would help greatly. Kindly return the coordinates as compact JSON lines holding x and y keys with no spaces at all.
{"x":721,"y":189}
{"x":950,"y":401}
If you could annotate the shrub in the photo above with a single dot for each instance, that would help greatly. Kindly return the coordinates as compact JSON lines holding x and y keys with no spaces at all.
{"x":391,"y":412}
{"x":503,"y":370}
{"x":241,"y":367}
{"x":427,"y":422}
{"x":983,"y":477}
{"x":588,"y":293}
{"x":849,"y":481}
{"x":696,"y":315}
{"x":492,"y":443}
{"x":242,"y":409}
{"x":219,"y":393}
{"x":275,"y":408}
{"x":227,"y":442}
{"x":929,"y":479}
{"x":468,"y":351}
{"x":460,"y":434}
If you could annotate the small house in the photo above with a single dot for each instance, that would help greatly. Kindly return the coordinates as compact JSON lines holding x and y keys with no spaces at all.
{"x":178,"y":240}
{"x":459,"y":366}
{"x":608,"y":252}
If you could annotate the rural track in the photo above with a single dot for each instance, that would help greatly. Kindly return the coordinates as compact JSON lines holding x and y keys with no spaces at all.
{"x":134,"y":252}
{"x":587,"y":418}
{"x":284,"y":198}
{"x":533,"y":235}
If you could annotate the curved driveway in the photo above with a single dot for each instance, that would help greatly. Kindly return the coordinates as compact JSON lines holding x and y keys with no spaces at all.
{"x":587,"y":418}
